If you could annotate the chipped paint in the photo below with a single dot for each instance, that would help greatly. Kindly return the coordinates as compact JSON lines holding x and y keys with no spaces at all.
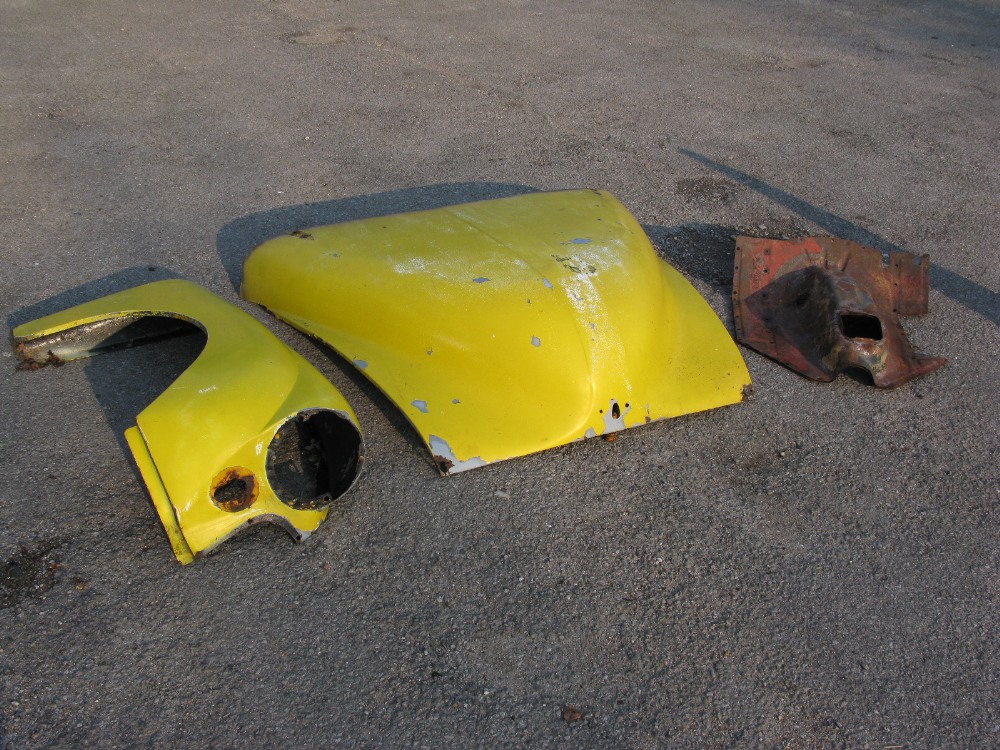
{"x":446,"y":460}
{"x":535,"y":341}
{"x":480,"y":279}
{"x":613,"y":316}
{"x":360,"y":364}
{"x":614,"y":417}
{"x":411,"y":266}
{"x":419,"y":405}
{"x":575,"y":265}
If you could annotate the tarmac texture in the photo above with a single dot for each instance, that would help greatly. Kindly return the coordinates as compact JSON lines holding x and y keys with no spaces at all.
{"x":817,"y":567}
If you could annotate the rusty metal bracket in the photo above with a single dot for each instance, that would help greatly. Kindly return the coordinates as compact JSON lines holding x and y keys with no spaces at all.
{"x":823,"y":305}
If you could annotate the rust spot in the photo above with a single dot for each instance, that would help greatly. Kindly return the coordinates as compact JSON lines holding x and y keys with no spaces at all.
{"x":444,"y":465}
{"x":571,"y":714}
{"x":234,"y":489}
{"x":28,"y":362}
{"x":302,"y":235}
{"x":610,"y":437}
{"x":615,"y":411}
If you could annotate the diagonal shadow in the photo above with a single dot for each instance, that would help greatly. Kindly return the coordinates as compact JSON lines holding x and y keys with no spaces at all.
{"x":118,"y":281}
{"x":966,"y":292}
{"x":126,"y":380}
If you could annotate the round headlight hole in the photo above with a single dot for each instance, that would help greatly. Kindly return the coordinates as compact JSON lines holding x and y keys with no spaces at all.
{"x":313,"y":458}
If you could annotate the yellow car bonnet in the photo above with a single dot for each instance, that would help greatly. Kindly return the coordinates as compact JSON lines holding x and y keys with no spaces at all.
{"x":508,"y":326}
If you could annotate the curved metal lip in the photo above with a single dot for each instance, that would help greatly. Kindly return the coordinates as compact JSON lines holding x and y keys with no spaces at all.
{"x":505,"y":327}
{"x":216,"y":420}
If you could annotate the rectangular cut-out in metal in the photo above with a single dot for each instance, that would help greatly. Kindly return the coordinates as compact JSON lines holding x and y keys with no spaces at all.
{"x":823,"y":305}
{"x":250,"y":432}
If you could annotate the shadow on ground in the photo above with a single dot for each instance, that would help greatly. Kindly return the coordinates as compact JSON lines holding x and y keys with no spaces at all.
{"x":91,"y":290}
{"x":699,"y":250}
{"x":127,"y":380}
{"x":125,"y":383}
{"x":966,"y":292}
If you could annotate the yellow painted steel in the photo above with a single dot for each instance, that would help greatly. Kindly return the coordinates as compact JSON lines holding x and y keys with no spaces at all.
{"x":220,"y":414}
{"x":509,"y":326}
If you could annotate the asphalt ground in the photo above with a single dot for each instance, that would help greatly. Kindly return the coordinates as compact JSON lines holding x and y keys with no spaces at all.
{"x":814,"y":568}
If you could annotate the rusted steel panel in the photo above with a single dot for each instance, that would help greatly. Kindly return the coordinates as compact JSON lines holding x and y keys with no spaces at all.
{"x":823,"y":305}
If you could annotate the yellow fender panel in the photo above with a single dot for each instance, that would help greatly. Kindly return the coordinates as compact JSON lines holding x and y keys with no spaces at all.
{"x":509,"y":326}
{"x":250,"y":432}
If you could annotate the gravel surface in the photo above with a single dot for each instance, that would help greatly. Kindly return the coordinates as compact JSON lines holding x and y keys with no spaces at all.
{"x":817,"y":567}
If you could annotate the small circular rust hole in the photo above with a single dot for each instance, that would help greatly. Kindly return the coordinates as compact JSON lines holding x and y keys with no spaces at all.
{"x":234,"y":489}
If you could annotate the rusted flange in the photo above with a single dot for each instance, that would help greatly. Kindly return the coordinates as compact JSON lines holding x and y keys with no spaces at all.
{"x":823,"y":305}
